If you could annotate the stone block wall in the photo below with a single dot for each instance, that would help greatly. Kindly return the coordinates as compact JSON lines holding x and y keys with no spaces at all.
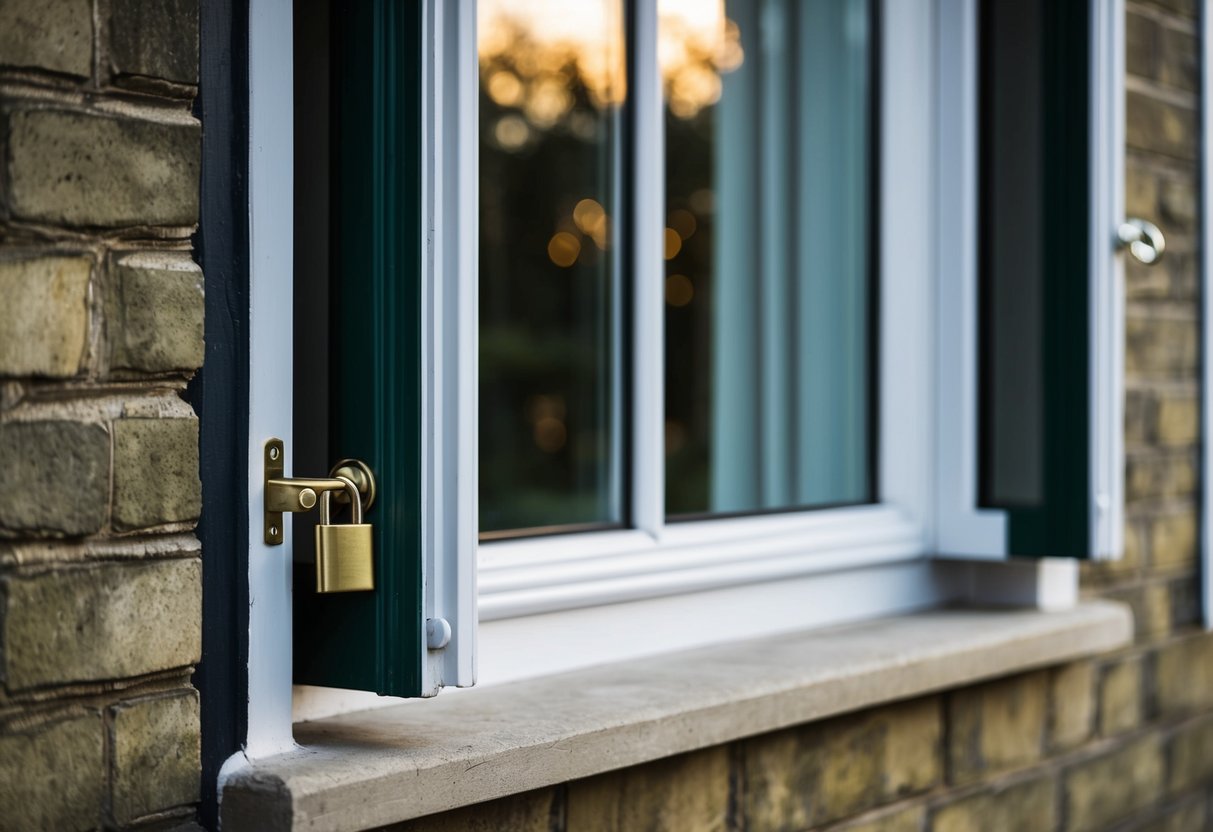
{"x":101,"y":312}
{"x":1120,"y":742}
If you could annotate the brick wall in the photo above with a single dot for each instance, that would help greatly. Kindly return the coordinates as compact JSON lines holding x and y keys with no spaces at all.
{"x":100,"y":329}
{"x":1124,"y":741}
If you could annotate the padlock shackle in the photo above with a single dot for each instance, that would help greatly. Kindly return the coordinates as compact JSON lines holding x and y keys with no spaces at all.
{"x":326,"y":501}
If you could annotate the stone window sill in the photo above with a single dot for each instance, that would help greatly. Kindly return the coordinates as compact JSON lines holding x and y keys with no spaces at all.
{"x":387,"y":765}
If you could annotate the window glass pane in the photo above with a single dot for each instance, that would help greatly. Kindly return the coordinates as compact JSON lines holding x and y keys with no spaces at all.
{"x":767,"y":286}
{"x":551,"y":88}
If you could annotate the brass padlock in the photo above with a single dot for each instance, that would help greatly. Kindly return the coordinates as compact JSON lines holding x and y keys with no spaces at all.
{"x":343,"y":553}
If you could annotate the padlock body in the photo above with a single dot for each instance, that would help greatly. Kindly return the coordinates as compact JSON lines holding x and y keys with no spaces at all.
{"x":343,"y":558}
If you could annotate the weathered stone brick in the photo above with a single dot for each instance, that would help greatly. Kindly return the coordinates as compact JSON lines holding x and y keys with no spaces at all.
{"x":1141,"y":192}
{"x":55,"y":477}
{"x":1157,"y":616}
{"x":1178,"y":59}
{"x":53,"y":776}
{"x":106,"y":621}
{"x":1158,"y":347}
{"x":1120,"y":696}
{"x":1184,"y":602}
{"x":1186,"y":817}
{"x":1112,"y":786}
{"x":526,"y":812}
{"x":1144,"y":282}
{"x":157,"y":39}
{"x":690,"y":791}
{"x":157,"y":754}
{"x":1140,"y":408}
{"x":1161,"y":126}
{"x":1183,"y":675}
{"x":1174,"y":540}
{"x":826,"y":771}
{"x":912,"y":819}
{"x":1022,"y":807}
{"x":1183,"y":272}
{"x":57,"y":36}
{"x":1153,"y":475}
{"x":1178,"y":419}
{"x":1179,"y":205}
{"x":1190,"y":756}
{"x":1095,"y":572}
{"x":1183,"y":8}
{"x":1131,"y":558}
{"x":1072,"y":696}
{"x":997,"y":725}
{"x":913,"y":748}
{"x":1134,"y":596}
{"x":155,"y":472}
{"x":80,"y":169}
{"x":44,"y":317}
{"x":155,"y":310}
{"x":1141,"y":38}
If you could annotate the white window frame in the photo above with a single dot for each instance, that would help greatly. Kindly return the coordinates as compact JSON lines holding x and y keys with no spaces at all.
{"x":271,"y":186}
{"x":622,"y":583}
{"x":551,"y":604}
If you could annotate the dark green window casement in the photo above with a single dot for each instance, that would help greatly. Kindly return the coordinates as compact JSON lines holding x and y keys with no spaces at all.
{"x":1030,"y":305}
{"x":1036,"y":406}
{"x":374,"y":640}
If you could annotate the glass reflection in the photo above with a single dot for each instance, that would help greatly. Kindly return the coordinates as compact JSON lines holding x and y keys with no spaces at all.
{"x":551,"y":86}
{"x":767,"y":237}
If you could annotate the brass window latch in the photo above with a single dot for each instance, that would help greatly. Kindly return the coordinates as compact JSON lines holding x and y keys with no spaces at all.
{"x":344,"y":560}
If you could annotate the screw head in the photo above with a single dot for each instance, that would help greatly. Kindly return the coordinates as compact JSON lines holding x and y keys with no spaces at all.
{"x":274,"y":452}
{"x":307,"y":498}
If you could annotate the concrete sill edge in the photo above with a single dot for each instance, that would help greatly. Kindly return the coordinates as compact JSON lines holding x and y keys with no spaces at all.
{"x":373,"y":768}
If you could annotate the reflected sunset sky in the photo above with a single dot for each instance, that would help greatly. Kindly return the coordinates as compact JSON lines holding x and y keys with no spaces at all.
{"x":529,"y":47}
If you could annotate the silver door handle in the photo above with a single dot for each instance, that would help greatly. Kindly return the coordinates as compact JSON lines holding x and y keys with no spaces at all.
{"x":1143,"y":239}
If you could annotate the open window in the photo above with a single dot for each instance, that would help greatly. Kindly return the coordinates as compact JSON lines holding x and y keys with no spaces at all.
{"x":1031,"y":294}
{"x":663,"y":323}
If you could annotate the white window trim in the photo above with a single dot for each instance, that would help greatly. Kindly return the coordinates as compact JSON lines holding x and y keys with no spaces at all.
{"x":554,"y":604}
{"x":962,"y":527}
{"x":1107,"y":270}
{"x":271,"y":359}
{"x":449,"y":337}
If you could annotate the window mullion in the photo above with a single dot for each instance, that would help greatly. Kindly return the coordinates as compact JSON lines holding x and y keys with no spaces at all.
{"x":647,"y":200}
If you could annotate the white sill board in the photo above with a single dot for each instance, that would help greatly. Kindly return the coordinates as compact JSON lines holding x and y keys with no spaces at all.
{"x":378,"y":767}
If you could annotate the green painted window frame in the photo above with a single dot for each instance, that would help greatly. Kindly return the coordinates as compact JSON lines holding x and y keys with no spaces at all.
{"x":1057,"y":523}
{"x":375,"y":640}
